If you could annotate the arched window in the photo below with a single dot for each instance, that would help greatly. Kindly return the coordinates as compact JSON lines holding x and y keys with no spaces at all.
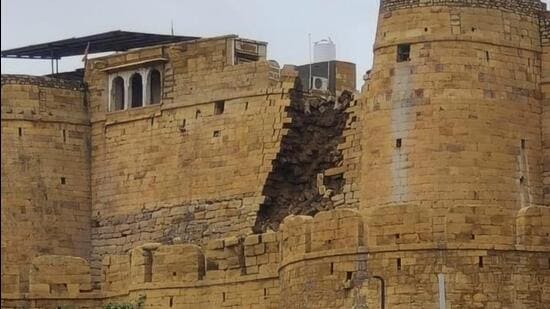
{"x":136,"y":90}
{"x":154,"y":87}
{"x":117,"y":94}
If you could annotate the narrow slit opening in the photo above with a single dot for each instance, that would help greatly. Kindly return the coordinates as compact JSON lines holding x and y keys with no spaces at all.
{"x":398,"y":143}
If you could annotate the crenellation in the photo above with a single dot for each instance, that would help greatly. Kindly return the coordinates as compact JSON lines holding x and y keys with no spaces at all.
{"x":526,"y":7}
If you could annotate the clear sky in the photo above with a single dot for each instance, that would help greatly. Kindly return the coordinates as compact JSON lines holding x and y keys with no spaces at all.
{"x":285,"y":24}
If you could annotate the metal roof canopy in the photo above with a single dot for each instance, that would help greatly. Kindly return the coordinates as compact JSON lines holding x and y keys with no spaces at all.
{"x":99,"y":43}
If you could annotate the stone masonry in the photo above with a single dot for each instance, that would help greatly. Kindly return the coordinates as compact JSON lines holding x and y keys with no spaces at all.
{"x":199,"y":174}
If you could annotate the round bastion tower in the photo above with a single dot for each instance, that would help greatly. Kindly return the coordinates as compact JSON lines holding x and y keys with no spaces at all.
{"x":452,"y":189}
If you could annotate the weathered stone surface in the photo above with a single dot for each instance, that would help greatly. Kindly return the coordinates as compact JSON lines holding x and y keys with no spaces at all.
{"x":440,"y":167}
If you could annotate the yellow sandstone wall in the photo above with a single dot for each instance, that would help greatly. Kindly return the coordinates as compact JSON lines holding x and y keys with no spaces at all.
{"x":331,"y":260}
{"x":176,"y":189}
{"x":177,"y":170}
{"x":45,"y":175}
{"x":545,"y":88}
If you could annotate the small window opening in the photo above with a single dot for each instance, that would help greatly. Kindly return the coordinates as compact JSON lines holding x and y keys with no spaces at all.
{"x":487,"y":56}
{"x":523,"y":143}
{"x":171,"y":303}
{"x":522,"y":180}
{"x":20,"y":132}
{"x":148,"y":263}
{"x":136,"y":86}
{"x":219,"y":107}
{"x":63,"y":180}
{"x":403,"y":52}
{"x":117,"y":94}
{"x":399,"y":264}
{"x":397,"y":236}
{"x":217,"y":133}
{"x":223,"y":296}
{"x":155,"y":89}
{"x":64,"y":136}
{"x":58,"y":288}
{"x":473,"y":236}
{"x":197,"y":114}
{"x":174,"y":274}
{"x":425,"y":29}
{"x":474,"y":29}
{"x":331,"y":268}
{"x":246,"y":106}
{"x":480,"y":262}
{"x":349,"y":275}
{"x":398,"y":143}
{"x":265,"y":292}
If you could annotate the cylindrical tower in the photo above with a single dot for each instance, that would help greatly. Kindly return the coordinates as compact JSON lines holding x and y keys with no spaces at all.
{"x":453,"y":110}
{"x":451,"y":181}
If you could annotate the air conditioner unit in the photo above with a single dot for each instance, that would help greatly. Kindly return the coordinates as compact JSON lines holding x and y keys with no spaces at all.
{"x":319,"y":83}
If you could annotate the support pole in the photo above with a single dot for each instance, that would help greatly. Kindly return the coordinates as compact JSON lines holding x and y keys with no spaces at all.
{"x":310,"y":82}
{"x":51,"y":58}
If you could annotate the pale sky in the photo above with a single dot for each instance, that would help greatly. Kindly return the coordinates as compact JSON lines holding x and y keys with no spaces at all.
{"x":285,"y":24}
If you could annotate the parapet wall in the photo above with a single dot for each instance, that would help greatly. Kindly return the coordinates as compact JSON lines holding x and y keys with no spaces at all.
{"x":45,"y":174}
{"x":327,"y":261}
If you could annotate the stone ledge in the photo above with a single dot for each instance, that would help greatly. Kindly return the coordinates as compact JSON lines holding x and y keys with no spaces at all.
{"x":41,"y":81}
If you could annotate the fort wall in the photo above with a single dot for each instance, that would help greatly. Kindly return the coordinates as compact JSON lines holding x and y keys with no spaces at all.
{"x":184,"y":171}
{"x":178,"y":169}
{"x":45,"y":174}
{"x":327,"y":261}
{"x":237,"y":189}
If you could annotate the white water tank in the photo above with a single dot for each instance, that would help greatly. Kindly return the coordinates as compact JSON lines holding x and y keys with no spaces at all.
{"x":324,"y":50}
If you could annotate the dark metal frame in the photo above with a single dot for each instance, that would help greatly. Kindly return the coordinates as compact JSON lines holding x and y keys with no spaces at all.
{"x":98,"y":43}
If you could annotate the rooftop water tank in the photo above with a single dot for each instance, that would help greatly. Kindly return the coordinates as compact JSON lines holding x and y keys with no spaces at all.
{"x":324,"y":50}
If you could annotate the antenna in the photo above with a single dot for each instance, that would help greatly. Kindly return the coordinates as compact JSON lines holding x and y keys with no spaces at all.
{"x":310,"y":81}
{"x":172,"y":27}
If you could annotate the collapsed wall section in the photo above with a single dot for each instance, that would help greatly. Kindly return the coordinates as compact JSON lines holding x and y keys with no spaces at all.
{"x":45,"y":174}
{"x":313,"y":169}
